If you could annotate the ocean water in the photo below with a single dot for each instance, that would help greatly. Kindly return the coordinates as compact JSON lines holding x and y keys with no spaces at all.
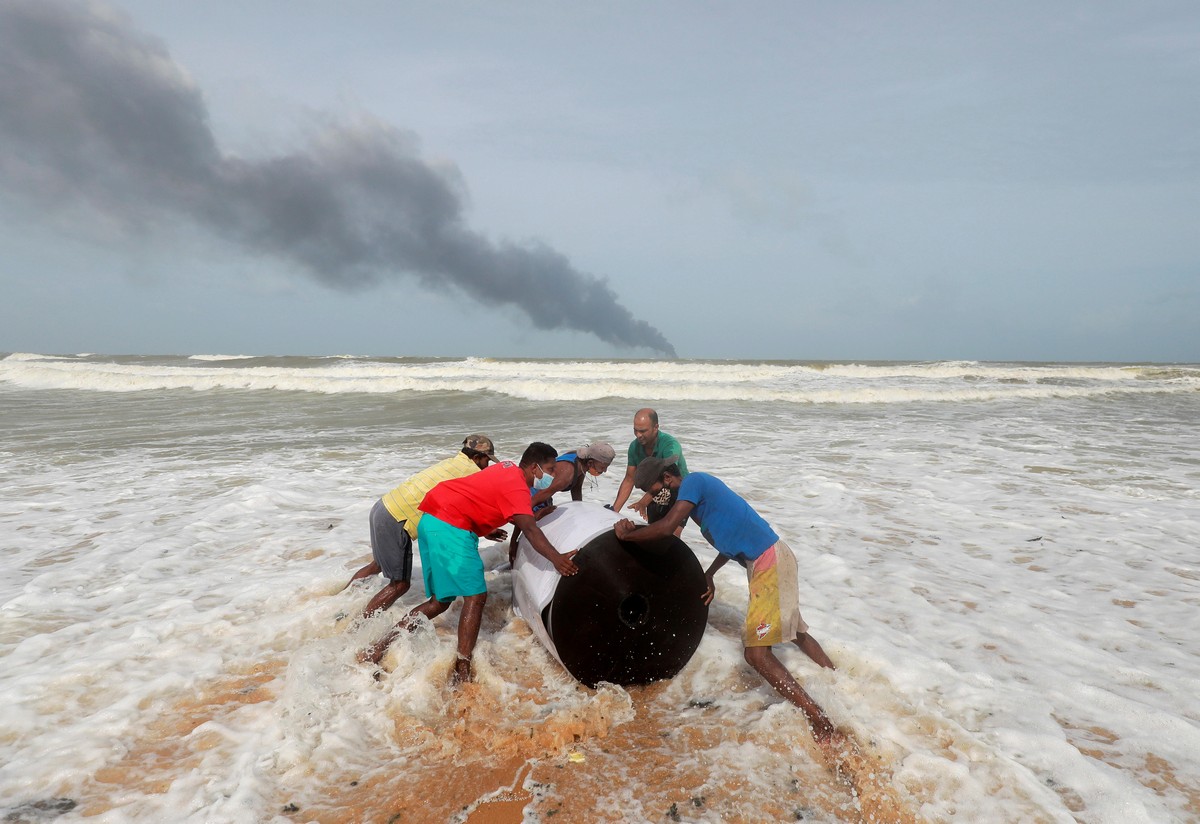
{"x":1002,"y":559}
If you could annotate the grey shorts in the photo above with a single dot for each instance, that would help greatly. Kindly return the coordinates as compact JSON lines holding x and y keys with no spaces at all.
{"x":390,"y":544}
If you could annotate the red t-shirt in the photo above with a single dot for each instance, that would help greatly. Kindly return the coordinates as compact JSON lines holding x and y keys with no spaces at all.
{"x":481,"y":502}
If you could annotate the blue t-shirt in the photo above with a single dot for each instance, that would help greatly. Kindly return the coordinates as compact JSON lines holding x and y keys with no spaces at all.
{"x":727,"y":521}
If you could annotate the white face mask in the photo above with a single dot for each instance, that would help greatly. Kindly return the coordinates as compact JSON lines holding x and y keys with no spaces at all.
{"x":544,"y":481}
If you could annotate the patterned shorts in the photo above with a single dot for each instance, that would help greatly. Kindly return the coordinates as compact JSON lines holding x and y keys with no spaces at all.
{"x":773,"y":616}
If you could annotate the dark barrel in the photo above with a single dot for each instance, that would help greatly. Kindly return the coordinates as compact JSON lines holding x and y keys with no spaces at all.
{"x":632,"y":615}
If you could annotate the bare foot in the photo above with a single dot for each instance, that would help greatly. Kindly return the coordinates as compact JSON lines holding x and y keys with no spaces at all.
{"x":823,"y":732}
{"x":839,"y":743}
{"x":372,"y":654}
{"x":461,"y":673}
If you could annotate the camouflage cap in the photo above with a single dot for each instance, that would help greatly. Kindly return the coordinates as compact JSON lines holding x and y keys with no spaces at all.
{"x":480,"y":443}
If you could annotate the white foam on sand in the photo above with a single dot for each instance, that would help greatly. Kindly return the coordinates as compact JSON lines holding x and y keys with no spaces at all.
{"x":1009,"y":591}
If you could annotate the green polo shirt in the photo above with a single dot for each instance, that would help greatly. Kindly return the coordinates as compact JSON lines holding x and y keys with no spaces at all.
{"x":665,"y":447}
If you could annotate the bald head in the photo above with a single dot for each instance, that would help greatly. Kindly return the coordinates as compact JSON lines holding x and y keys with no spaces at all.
{"x":645,"y":428}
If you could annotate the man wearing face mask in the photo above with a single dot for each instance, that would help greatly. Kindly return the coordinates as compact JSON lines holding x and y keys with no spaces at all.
{"x":542,"y":492}
{"x":571,"y":469}
{"x":540,"y":485}
{"x":456,"y":513}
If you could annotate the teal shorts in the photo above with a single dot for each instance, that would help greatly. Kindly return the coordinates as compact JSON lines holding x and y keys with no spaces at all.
{"x":450,"y":561}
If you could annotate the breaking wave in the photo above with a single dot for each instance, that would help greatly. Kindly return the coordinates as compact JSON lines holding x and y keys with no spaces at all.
{"x":563,"y":380}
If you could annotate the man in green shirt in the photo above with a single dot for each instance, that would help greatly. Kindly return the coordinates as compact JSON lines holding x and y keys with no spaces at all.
{"x":649,"y":442}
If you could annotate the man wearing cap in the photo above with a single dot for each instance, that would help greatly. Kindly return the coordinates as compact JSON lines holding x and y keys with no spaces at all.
{"x":569,"y":471}
{"x":456,"y":513}
{"x":737,"y":532}
{"x":572,"y":467}
{"x":395,"y":517}
{"x":649,"y":442}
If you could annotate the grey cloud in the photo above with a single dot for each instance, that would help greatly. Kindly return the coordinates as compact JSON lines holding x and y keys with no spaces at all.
{"x":93,"y":112}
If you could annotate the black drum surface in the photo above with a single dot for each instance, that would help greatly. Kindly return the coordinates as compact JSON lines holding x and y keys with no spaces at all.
{"x":632,"y":615}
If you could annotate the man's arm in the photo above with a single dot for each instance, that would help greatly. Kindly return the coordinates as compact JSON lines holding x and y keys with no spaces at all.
{"x":625,"y":488}
{"x":639,"y":506}
{"x":538,"y":540}
{"x":711,"y":586}
{"x":627,"y":530}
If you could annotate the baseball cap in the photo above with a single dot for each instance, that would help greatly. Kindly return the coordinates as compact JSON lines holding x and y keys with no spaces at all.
{"x":481,"y":443}
{"x":600,"y":451}
{"x":650,"y":470}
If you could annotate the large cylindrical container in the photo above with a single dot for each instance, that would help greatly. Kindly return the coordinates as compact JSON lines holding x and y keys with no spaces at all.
{"x":632,"y":615}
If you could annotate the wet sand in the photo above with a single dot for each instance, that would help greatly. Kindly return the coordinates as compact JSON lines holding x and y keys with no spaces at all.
{"x":575,"y":768}
{"x":664,"y":764}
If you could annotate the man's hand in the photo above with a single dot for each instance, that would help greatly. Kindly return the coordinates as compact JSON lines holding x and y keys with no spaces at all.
{"x":623,"y":527}
{"x":543,"y":512}
{"x":710,"y":588}
{"x":640,"y":506}
{"x":564,"y":565}
{"x":496,"y":535}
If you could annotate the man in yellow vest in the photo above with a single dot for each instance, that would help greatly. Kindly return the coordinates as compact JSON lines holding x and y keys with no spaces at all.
{"x":394,"y":520}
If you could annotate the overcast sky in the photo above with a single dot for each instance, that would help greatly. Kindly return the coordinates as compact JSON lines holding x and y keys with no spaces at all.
{"x":891,"y":181}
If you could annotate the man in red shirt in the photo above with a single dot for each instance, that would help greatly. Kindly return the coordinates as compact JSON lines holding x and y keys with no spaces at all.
{"x":456,"y":513}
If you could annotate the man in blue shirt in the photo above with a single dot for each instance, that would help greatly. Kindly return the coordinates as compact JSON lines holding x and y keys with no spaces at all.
{"x":738,"y":532}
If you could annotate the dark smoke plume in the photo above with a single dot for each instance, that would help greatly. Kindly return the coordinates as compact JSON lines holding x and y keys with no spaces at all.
{"x":93,"y":112}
